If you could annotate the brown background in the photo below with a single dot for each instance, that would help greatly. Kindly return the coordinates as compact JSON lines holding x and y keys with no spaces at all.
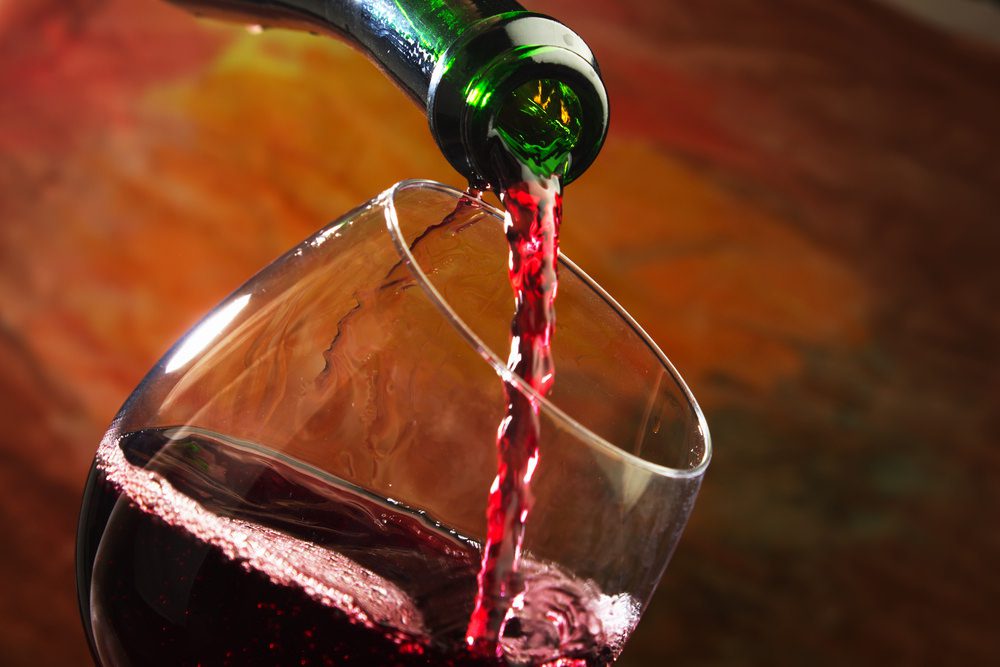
{"x":799,"y":199}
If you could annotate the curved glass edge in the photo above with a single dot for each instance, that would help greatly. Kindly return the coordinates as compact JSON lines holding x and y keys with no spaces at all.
{"x":387,"y":201}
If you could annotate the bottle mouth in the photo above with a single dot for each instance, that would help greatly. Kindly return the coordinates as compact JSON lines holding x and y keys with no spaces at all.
{"x":469,"y":106}
{"x":540,"y":125}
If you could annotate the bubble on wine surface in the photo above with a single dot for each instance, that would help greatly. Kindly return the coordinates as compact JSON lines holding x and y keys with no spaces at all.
{"x":372,"y":562}
{"x":325,"y":575}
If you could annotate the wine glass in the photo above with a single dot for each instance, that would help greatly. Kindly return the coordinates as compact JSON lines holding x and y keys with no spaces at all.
{"x":303,"y":478}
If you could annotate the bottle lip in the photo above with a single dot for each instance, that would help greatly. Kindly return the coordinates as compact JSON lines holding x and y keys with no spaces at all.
{"x":505,"y":52}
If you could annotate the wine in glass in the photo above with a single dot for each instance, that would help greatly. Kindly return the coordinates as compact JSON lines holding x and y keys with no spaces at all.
{"x":303,"y":478}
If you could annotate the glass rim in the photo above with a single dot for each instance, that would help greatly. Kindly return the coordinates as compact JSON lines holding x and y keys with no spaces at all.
{"x":388,"y":201}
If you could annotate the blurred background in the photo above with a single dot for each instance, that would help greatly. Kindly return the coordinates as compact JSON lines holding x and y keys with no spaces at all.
{"x":799,"y":200}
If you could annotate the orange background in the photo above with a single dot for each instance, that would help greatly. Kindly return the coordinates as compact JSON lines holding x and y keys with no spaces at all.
{"x":798,"y":199}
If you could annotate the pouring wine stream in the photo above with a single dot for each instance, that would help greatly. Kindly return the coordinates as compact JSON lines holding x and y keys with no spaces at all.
{"x":528,"y":168}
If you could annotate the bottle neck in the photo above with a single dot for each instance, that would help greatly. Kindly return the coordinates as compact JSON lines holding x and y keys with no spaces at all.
{"x":464,"y":61}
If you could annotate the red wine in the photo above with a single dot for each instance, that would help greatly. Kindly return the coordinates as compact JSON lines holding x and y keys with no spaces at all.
{"x":528,"y":169}
{"x":534,"y":211}
{"x":197,"y":549}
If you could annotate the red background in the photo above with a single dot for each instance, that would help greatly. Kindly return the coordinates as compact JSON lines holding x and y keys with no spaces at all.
{"x":798,"y":199}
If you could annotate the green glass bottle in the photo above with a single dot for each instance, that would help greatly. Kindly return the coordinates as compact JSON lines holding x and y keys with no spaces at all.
{"x":487,"y":72}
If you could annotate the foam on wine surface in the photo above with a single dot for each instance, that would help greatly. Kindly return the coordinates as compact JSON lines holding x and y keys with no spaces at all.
{"x":217,"y":551}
